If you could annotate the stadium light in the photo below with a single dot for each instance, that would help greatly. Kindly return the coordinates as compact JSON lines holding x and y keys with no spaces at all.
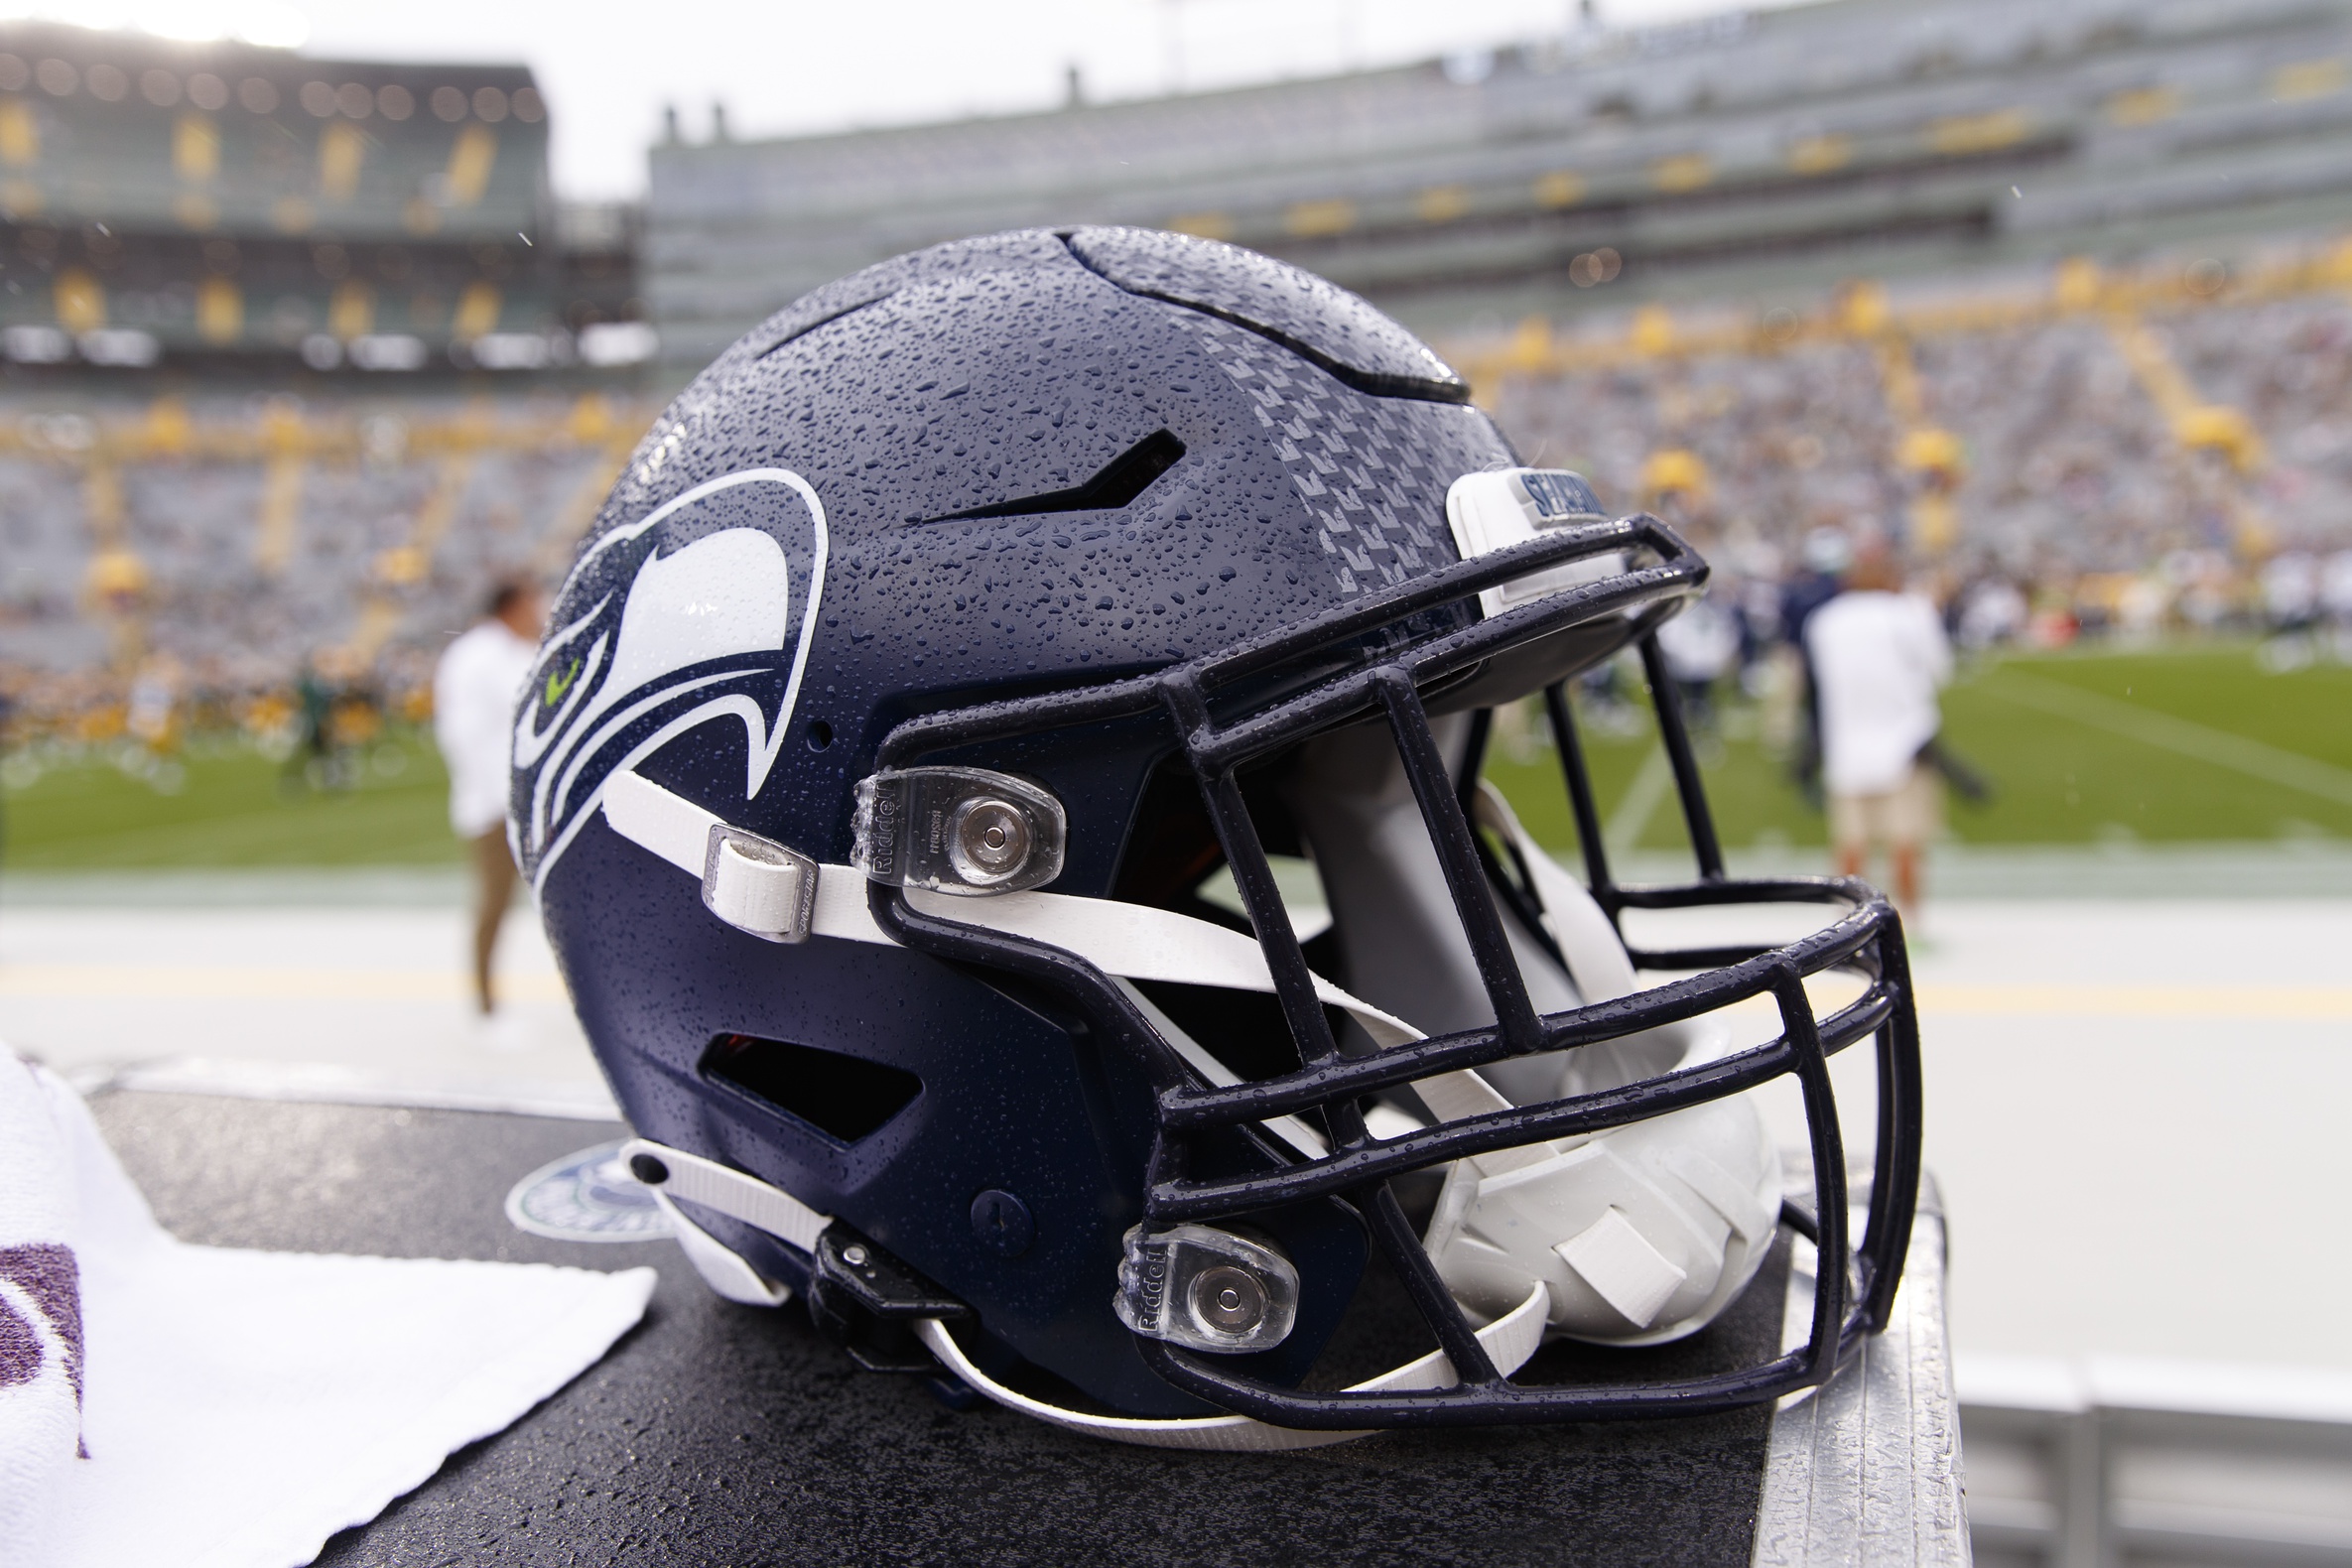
{"x":511,"y":351}
{"x":123,"y":346}
{"x":28,"y":345}
{"x":608,"y":343}
{"x":396,"y":352}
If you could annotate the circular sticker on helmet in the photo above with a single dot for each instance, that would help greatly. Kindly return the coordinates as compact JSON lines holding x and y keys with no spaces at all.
{"x":587,"y":1197}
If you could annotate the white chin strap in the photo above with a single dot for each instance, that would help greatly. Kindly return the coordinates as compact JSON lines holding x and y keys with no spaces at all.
{"x":1576,"y":1236}
{"x":1510,"y":1340}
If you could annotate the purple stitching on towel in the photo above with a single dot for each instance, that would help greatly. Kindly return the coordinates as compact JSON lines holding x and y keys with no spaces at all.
{"x":20,"y":1347}
{"x":48,"y":1273}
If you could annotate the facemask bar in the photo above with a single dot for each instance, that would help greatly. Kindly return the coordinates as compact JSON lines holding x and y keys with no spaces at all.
{"x":1856,"y":1285}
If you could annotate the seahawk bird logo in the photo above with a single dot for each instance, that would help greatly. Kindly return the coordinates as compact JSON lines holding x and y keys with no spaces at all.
{"x":702,"y":608}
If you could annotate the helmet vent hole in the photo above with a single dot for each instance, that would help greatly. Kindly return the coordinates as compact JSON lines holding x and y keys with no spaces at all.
{"x":844,"y":1098}
{"x":1113,"y":485}
{"x":820,"y":736}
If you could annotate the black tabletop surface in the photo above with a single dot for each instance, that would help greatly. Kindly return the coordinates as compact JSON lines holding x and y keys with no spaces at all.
{"x":725,"y":1435}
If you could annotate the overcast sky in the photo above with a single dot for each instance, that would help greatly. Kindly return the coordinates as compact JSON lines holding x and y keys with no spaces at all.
{"x":787,"y":67}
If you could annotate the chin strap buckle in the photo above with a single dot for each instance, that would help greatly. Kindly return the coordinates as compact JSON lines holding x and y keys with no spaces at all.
{"x":869,"y":1302}
{"x":759,"y":885}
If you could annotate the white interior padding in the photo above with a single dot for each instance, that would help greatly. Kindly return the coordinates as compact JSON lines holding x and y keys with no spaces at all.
{"x":1639,"y":1234}
{"x":1397,"y":922}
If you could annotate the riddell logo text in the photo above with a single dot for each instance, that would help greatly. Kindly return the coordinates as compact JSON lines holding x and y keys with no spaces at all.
{"x":1155,"y":1288}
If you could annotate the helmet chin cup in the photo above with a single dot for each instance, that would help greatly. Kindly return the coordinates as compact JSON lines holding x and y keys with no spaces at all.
{"x":953,"y":830}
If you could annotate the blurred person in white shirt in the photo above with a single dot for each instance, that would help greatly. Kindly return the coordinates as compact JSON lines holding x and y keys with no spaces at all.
{"x":2335,"y":600}
{"x":474,"y":688}
{"x":1701,"y":646}
{"x":1994,"y":611}
{"x":1878,"y":657}
{"x":2291,"y":589}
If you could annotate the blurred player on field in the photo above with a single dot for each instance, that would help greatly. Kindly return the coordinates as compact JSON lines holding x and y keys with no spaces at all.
{"x":1878,"y":656}
{"x":474,"y":698}
{"x":1701,"y":646}
{"x":1827,"y":553}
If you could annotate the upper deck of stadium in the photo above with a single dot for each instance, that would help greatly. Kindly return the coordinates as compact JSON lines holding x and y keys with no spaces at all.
{"x":1811,"y":141}
{"x":168,"y":202}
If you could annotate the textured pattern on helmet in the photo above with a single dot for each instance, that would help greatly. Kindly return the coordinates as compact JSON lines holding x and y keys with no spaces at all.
{"x":1363,"y":465}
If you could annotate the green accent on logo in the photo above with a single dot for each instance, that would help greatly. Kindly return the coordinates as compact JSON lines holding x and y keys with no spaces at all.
{"x":557,"y":685}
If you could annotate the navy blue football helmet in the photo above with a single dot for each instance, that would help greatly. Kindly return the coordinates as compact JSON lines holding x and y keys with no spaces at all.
{"x":1003,"y":784}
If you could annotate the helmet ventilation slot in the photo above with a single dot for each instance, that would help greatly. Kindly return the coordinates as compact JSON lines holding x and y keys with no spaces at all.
{"x":845,"y":1097}
{"x":1113,"y":485}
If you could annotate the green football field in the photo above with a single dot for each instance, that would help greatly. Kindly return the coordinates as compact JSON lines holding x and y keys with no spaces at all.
{"x":223,"y":803}
{"x":2193,"y":744}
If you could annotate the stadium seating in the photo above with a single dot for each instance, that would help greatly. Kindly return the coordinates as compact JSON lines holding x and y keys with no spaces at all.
{"x":246,"y":542}
{"x":2128,"y":450}
{"x":2094,"y":438}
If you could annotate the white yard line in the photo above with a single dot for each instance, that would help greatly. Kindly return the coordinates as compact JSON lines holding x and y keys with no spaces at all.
{"x":1630,"y":817}
{"x":2181,"y":737}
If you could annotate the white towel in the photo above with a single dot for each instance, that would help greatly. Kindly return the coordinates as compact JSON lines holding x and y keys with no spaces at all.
{"x":237,"y":1408}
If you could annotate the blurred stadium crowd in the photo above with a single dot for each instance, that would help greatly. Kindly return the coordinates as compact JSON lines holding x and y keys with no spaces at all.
{"x":2082,"y":455}
{"x":2059,"y":450}
{"x":284,"y":566}
{"x":2087,"y":455}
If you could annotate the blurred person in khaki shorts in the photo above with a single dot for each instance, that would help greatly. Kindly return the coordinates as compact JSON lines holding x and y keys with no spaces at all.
{"x":1878,"y":657}
{"x":474,"y":688}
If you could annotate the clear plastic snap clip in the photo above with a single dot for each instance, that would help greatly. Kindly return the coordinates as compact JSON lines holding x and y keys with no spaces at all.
{"x":1206,"y":1289}
{"x":758,"y":885}
{"x":956,"y":829}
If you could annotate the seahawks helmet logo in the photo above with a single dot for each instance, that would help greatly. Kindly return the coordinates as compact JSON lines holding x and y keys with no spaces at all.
{"x":705,"y":609}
